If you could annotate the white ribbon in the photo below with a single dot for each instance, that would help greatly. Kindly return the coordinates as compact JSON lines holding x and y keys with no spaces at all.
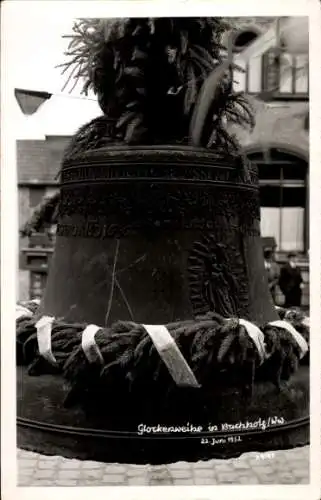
{"x":171,"y":356}
{"x":44,"y":327}
{"x":296,"y":335}
{"x":88,"y":344}
{"x":22,"y":311}
{"x":256,"y":335}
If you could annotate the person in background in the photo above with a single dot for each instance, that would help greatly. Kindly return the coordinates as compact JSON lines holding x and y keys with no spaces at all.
{"x":272,"y":270}
{"x":291,"y":282}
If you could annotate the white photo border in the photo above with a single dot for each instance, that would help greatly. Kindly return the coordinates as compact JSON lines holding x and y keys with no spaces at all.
{"x":9,"y":235}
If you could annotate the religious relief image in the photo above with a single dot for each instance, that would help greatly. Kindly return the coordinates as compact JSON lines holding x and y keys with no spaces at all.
{"x":162,"y":323}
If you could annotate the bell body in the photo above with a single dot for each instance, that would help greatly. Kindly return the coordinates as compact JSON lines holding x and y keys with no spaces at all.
{"x":155,"y":235}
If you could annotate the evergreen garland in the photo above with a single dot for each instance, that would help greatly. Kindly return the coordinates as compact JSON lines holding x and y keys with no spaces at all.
{"x":148,"y":74}
{"x":219,"y":352}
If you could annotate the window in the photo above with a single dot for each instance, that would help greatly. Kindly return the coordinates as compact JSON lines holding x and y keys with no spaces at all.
{"x":284,"y":75}
{"x":243,"y":39}
{"x":36,"y":194}
{"x":271,"y":71}
{"x":283,"y":198}
{"x":37,"y":285}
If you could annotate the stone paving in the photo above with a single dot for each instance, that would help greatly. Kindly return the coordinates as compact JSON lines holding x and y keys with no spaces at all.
{"x":279,"y":467}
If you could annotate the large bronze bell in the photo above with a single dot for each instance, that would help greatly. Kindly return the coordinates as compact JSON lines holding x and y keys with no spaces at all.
{"x":157,"y":234}
{"x":152,"y":235}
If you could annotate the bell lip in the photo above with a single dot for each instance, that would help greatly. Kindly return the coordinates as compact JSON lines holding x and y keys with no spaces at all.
{"x":51,"y":438}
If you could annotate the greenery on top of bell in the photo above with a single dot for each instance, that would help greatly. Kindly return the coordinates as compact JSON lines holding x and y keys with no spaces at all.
{"x":158,"y":81}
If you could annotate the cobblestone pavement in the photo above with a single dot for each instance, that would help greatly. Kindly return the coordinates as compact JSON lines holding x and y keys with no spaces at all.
{"x":279,"y":467}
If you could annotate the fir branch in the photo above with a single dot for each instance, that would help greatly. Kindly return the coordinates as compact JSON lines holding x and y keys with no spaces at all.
{"x":160,"y":65}
{"x":45,"y":214}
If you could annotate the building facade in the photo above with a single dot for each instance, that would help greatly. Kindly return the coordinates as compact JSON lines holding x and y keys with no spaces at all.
{"x":277,"y":85}
{"x":38,"y":164}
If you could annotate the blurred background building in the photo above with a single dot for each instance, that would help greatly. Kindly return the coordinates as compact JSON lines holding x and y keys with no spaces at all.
{"x":276,"y":82}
